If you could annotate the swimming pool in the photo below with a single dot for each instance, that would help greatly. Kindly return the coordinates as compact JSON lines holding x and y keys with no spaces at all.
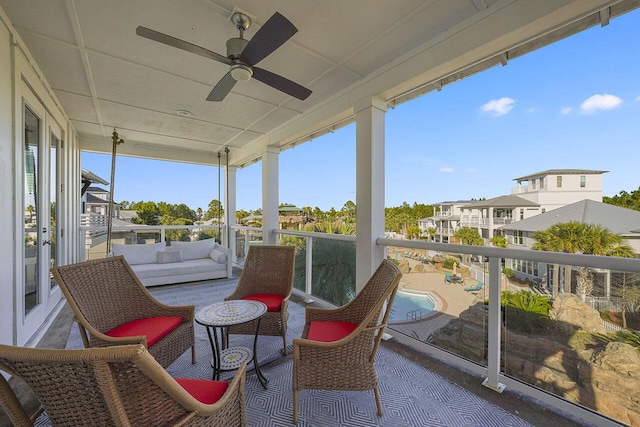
{"x":412,"y":306}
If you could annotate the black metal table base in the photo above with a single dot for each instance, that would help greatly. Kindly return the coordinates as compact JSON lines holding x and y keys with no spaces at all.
{"x":216,"y":350}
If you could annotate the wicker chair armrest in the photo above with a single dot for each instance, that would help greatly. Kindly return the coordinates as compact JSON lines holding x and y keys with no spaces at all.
{"x":10,"y":403}
{"x":104,"y":340}
{"x":235,"y":391}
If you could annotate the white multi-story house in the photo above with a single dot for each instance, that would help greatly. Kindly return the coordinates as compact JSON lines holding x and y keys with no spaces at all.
{"x":535,"y":194}
{"x":618,"y":220}
{"x":446,"y":220}
{"x":554,"y":188}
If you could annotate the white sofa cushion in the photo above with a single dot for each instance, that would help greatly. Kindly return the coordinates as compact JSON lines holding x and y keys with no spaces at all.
{"x":218,"y":255}
{"x":139,"y":254}
{"x":168,"y":256}
{"x":195,"y":250}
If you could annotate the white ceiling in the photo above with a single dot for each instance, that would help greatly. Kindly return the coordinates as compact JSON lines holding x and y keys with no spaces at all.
{"x":345,"y":52}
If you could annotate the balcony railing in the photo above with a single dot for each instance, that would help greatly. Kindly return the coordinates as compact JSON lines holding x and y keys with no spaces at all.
{"x":467,"y":325}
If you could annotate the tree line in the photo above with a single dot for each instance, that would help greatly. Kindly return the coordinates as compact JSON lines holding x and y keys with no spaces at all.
{"x":625,"y":199}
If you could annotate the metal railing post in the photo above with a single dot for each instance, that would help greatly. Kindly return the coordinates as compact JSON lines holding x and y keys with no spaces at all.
{"x":308,"y":269}
{"x":494,"y":327}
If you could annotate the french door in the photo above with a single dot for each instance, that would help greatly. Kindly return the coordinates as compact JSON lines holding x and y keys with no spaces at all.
{"x":40,"y":146}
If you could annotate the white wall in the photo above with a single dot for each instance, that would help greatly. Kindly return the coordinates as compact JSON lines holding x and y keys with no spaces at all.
{"x":7,"y":221}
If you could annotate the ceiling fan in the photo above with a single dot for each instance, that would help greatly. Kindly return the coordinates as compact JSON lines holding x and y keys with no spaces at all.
{"x":243,"y":55}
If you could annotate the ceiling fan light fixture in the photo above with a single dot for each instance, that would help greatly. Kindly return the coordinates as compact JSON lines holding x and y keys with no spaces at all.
{"x":241,"y":72}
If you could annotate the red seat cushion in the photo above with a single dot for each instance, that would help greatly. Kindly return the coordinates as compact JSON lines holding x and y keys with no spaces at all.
{"x":154,"y":328}
{"x":205,"y":391}
{"x":272,"y":301}
{"x":330,"y":331}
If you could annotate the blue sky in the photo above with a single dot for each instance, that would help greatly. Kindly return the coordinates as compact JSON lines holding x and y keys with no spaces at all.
{"x":574,"y":104}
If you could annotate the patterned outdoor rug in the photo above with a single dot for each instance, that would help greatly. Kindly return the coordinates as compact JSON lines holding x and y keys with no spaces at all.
{"x":410,"y":394}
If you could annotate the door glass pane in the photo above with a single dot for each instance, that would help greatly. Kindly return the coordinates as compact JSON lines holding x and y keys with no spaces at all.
{"x":55,"y":142}
{"x":31,"y":216}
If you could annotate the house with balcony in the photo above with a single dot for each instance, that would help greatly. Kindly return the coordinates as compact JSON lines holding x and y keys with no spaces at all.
{"x":445,"y":221}
{"x":535,"y":194}
{"x":554,"y":188}
{"x":76,"y":77}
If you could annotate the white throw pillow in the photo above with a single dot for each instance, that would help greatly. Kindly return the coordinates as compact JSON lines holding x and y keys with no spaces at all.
{"x":218,"y":255}
{"x":139,"y":254}
{"x":168,"y":256}
{"x":195,"y":250}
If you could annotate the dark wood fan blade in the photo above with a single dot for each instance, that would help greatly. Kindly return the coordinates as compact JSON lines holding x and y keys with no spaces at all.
{"x":269,"y":37}
{"x":281,"y":83}
{"x":223,"y":87}
{"x":180,"y":44}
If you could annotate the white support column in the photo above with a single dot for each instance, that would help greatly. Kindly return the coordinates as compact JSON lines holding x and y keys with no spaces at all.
{"x":370,"y":172}
{"x":230,"y":193}
{"x":270,"y":194}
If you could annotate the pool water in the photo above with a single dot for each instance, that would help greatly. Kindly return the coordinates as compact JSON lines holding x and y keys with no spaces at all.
{"x":408,"y":307}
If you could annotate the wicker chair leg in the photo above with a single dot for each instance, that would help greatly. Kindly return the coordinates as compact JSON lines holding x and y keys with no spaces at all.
{"x":295,"y":406}
{"x":284,"y":344}
{"x":193,"y":354}
{"x":378,"y":403}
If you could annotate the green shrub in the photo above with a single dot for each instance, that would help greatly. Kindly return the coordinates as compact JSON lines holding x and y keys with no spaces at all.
{"x":507,"y":272}
{"x":628,"y":337}
{"x":525,"y":311}
{"x":448,"y":263}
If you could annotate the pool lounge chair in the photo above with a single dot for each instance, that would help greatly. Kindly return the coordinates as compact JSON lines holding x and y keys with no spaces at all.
{"x":478,"y":286}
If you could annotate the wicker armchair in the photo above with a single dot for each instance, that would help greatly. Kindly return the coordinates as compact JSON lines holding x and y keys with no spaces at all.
{"x":112,"y":307}
{"x":338,"y":346}
{"x":267,"y":277}
{"x":119,"y":385}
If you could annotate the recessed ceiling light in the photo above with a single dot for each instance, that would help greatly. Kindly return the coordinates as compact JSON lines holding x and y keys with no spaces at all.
{"x":185,"y":113}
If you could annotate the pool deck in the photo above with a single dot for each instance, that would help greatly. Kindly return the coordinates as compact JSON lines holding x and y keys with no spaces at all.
{"x":453,"y":296}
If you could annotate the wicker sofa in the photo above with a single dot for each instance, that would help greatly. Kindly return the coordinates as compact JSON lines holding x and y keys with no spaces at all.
{"x":158,"y":264}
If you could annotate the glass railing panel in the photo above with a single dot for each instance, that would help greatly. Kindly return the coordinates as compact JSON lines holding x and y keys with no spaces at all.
{"x":441,"y":301}
{"x":95,"y":237}
{"x":574,"y":331}
{"x":333,"y":275}
{"x":300,"y":268}
{"x":95,"y":242}
{"x":183,"y":234}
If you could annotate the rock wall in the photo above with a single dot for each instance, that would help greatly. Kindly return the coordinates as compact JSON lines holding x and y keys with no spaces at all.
{"x":606,"y":379}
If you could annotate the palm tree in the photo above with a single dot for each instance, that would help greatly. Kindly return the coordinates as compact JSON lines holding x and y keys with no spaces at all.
{"x":576,"y":237}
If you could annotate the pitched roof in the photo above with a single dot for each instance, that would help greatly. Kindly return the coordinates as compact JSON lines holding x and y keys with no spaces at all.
{"x":454,"y":202}
{"x":509,"y":201}
{"x":96,"y":200}
{"x":560,"y":172}
{"x":87,"y":175}
{"x":615,"y":218}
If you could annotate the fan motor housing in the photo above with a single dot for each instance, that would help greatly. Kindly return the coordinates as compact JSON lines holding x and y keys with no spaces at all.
{"x":235,"y":46}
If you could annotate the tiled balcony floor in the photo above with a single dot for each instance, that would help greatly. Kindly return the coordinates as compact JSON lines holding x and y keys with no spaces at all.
{"x":416,"y":389}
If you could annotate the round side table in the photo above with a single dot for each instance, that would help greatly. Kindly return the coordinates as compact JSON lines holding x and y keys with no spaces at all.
{"x":228,"y":313}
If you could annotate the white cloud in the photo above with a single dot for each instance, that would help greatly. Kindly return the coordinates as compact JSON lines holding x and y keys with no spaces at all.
{"x":566,"y":110}
{"x":600,"y":102}
{"x":531,"y":110}
{"x":447,"y":170}
{"x":498,"y":107}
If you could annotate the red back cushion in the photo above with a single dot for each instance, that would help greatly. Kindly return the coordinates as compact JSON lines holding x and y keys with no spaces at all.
{"x":205,"y":391}
{"x":330,"y":331}
{"x":272,"y":301}
{"x":154,"y":328}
